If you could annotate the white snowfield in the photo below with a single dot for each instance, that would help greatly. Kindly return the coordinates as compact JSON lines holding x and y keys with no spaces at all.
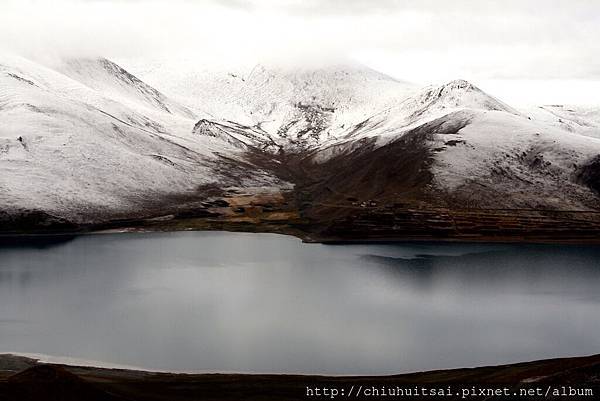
{"x":88,"y":140}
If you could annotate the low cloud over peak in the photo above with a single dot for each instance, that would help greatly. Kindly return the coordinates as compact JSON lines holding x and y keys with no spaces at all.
{"x":414,"y":40}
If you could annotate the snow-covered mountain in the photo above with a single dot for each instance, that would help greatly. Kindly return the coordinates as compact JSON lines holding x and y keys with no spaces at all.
{"x":297,"y":108}
{"x":583,"y":120}
{"x":113,"y":81}
{"x":89,"y":140}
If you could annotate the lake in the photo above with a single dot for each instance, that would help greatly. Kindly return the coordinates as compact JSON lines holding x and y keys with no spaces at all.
{"x":237,"y":302}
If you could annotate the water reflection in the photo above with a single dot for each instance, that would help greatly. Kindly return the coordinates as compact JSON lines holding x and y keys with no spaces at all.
{"x":268,"y":303}
{"x":35,"y":241}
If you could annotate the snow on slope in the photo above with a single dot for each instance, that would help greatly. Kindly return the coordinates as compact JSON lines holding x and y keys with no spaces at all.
{"x":298,"y":108}
{"x":572,"y":118}
{"x":113,"y":81}
{"x":414,"y":110}
{"x":69,"y":148}
{"x":85,"y":136}
{"x":435,"y":101}
{"x":499,"y":158}
{"x":310,"y":108}
{"x":516,"y":162}
{"x":329,"y":111}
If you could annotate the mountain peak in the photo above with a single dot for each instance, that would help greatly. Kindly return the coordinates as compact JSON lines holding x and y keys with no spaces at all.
{"x":207,"y":128}
{"x":460,"y":84}
{"x":457,"y":86}
{"x":460,"y":93}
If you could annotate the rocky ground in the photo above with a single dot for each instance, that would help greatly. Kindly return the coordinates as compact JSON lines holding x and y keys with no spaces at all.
{"x":347,"y":221}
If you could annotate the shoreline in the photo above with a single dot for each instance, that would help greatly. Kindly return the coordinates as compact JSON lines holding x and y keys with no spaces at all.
{"x":10,"y":237}
{"x":293,"y":213}
{"x":73,"y":362}
{"x":41,"y":381}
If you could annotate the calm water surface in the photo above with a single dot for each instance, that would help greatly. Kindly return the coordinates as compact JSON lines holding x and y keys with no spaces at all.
{"x":206,"y":301}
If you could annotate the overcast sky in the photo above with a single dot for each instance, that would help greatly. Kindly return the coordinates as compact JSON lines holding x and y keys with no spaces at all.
{"x":489,"y":42}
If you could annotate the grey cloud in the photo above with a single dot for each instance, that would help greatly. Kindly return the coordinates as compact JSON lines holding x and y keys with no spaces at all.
{"x":581,"y":8}
{"x":507,"y":39}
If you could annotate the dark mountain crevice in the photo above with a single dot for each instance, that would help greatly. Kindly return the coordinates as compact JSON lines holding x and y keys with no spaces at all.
{"x":589,"y":174}
{"x":397,"y":173}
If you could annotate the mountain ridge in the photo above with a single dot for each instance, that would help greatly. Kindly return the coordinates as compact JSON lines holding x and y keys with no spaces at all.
{"x":316,"y":145}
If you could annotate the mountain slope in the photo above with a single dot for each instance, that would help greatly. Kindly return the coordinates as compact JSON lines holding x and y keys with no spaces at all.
{"x":336,"y":149}
{"x":517,"y":163}
{"x":299,"y":108}
{"x":468,"y":158}
{"x":113,"y":81}
{"x":575,"y":119}
{"x":77,"y":153}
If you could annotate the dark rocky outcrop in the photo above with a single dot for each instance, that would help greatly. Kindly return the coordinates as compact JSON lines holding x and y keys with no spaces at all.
{"x":51,"y":382}
{"x":589,"y":174}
